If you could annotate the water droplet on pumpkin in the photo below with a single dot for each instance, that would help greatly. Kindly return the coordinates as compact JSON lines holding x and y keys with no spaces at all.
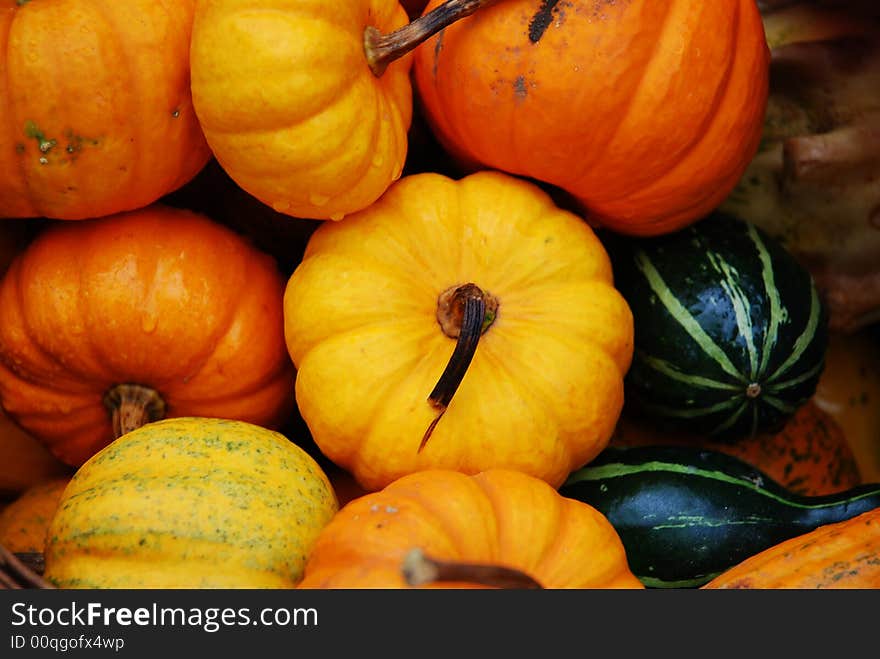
{"x":378,"y":159}
{"x":336,"y":216}
{"x":398,"y":170}
{"x":281,"y":206}
{"x":318,"y":199}
{"x":149,"y":323}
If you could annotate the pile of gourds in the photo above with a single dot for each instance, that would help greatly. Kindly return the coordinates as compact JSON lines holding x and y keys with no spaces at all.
{"x":415,"y":294}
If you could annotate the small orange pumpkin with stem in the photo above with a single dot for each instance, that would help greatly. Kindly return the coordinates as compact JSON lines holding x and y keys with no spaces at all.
{"x":465,"y":325}
{"x":107,"y":324}
{"x":96,"y":109}
{"x":646,"y":112}
{"x":307,"y":108}
{"x":441,"y":528}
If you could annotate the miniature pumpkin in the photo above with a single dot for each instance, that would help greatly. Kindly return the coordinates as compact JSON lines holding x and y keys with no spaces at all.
{"x":809,"y":456}
{"x":646,"y":112}
{"x":290,"y":106}
{"x":24,"y":522}
{"x":108,"y":323}
{"x":96,"y":110}
{"x":481,"y":286}
{"x":190,"y":503}
{"x":842,"y":555}
{"x":474,"y":530}
{"x":308,"y":110}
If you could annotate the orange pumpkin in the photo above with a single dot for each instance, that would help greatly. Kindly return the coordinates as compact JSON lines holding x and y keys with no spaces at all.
{"x":646,"y":112}
{"x":845,"y":555}
{"x":108,"y":323}
{"x":502,"y":522}
{"x":25,"y":521}
{"x":810,"y":455}
{"x":96,"y":110}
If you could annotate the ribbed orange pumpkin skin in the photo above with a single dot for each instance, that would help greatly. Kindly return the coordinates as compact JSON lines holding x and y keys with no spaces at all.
{"x":845,"y":555}
{"x":290,"y":106}
{"x":159,"y":297}
{"x":96,"y":113}
{"x":498,"y":517}
{"x":646,"y":111}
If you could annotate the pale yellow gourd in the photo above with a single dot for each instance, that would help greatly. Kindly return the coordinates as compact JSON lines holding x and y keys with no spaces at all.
{"x":190,"y":503}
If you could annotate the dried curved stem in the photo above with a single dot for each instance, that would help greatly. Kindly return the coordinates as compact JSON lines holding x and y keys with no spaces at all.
{"x":16,"y":575}
{"x":131,"y":406}
{"x":382,"y":49}
{"x":420,"y":569}
{"x":465,"y":312}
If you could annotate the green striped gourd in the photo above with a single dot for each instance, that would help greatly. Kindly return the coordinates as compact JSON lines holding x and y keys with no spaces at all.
{"x":190,"y":503}
{"x":686,"y":514}
{"x":730,"y":333}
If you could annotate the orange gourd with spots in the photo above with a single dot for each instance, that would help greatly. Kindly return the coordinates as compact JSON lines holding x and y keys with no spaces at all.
{"x":647,"y":112}
{"x":95,"y":106}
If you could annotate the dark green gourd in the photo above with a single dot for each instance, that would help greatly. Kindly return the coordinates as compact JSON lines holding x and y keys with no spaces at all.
{"x":687,"y":514}
{"x":730,"y":332}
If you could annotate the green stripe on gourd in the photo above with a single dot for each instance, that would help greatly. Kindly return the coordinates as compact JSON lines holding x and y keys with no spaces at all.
{"x":686,"y":514}
{"x":730,"y":333}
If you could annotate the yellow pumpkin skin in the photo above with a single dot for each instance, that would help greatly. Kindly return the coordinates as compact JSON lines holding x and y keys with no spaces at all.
{"x":497,"y":517}
{"x":290,"y":107}
{"x":190,"y":503}
{"x":25,"y":521}
{"x":545,"y":387}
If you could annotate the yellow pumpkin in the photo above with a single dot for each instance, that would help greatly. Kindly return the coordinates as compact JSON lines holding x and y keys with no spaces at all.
{"x":190,"y":503}
{"x":849,"y":391}
{"x":290,"y":106}
{"x":439,"y":272}
{"x":24,"y":522}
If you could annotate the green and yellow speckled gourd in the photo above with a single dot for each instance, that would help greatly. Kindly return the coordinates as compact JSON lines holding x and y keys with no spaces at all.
{"x":190,"y":503}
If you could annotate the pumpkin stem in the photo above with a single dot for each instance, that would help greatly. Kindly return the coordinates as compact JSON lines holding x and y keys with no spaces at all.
{"x":419,"y":569}
{"x":464,"y":313}
{"x":131,"y":406}
{"x":382,"y":49}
